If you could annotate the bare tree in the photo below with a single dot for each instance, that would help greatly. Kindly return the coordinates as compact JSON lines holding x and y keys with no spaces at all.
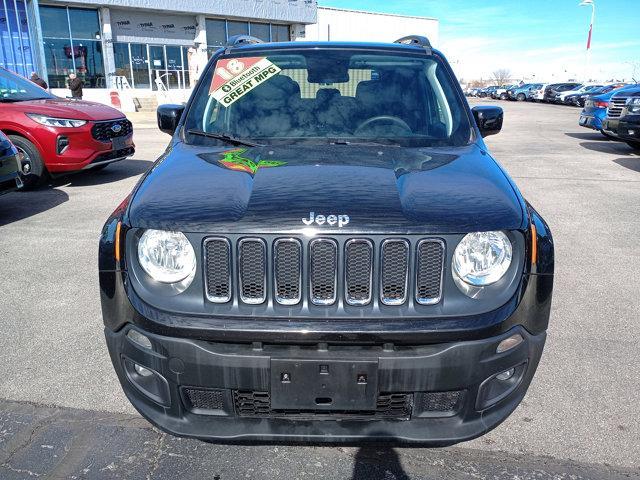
{"x":501,"y":76}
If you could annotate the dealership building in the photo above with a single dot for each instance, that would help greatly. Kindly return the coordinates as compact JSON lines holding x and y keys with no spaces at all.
{"x":145,"y":46}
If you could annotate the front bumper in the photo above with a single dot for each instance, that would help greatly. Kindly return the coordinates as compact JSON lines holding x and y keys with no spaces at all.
{"x":437,"y":389}
{"x":590,"y":121}
{"x":627,"y":128}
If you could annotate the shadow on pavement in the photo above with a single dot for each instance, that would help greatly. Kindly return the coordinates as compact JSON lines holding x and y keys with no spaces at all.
{"x":616,"y":148}
{"x":588,"y":136}
{"x":20,"y":205}
{"x":630,"y":163}
{"x":373,"y":463}
{"x":112,"y":173}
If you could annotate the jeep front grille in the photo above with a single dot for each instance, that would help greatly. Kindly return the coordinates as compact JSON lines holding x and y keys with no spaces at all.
{"x":217,"y":260}
{"x":252,"y":264}
{"x":324,"y":271}
{"x":348,"y":272}
{"x":395,"y":272}
{"x":616,"y":106}
{"x":358,"y":271}
{"x":287,"y":265}
{"x":429,"y":268}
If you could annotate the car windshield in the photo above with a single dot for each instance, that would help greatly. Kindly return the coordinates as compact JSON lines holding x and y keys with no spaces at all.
{"x":326,"y":95}
{"x":14,"y":88}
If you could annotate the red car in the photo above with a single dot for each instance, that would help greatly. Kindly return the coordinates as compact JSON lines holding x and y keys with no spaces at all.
{"x":55,"y":135}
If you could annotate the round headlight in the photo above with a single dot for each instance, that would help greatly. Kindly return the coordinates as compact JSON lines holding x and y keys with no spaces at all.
{"x":167,"y":257}
{"x":482,"y":258}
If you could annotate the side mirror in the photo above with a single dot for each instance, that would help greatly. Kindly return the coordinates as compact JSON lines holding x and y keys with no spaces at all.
{"x":169,"y":117}
{"x":489,"y":119}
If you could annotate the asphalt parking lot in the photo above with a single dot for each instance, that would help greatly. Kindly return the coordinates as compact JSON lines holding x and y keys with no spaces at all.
{"x":62,"y":413}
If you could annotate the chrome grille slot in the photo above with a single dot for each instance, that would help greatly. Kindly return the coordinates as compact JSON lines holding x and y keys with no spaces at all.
{"x":324,"y":271}
{"x":287,"y":266}
{"x":394,"y":273}
{"x":616,"y":106}
{"x":217,"y":253}
{"x":252,"y":265}
{"x":429,"y":268}
{"x":358,"y":271}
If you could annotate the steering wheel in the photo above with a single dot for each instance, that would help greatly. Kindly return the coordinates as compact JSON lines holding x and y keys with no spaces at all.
{"x":383,"y":118}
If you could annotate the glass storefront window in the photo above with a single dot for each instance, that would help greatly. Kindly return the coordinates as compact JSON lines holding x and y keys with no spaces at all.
{"x":54,"y":22}
{"x":89,"y":64}
{"x":280,"y":33}
{"x":72,"y":45}
{"x":174,"y":66}
{"x":219,"y":31}
{"x":261,"y":31}
{"x":237,"y":28}
{"x":216,"y":32}
{"x":122,"y":61}
{"x":59,"y":61}
{"x":23,"y":23}
{"x":15,"y":52}
{"x":84,"y":24}
{"x":140,"y":64}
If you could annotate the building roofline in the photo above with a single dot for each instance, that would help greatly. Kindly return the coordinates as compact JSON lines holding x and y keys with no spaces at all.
{"x":376,"y":13}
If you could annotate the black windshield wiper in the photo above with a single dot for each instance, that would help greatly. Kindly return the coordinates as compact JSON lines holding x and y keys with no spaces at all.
{"x":225,"y":137}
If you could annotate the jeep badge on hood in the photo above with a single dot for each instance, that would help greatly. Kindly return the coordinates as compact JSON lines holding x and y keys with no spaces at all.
{"x":331,"y":220}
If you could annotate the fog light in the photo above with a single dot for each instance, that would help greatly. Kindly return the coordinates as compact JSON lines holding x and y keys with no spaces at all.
{"x":506,"y":375}
{"x":138,"y":338}
{"x":509,"y":343}
{"x":499,"y":386}
{"x":145,"y":372}
{"x":149,"y":382}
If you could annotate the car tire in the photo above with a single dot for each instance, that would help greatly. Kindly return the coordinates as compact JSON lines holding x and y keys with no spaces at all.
{"x":634,"y":145}
{"x":34,"y":173}
{"x":504,"y":96}
{"x":521,"y":97}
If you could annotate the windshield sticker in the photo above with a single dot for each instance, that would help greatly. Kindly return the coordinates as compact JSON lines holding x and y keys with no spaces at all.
{"x":233,"y":160}
{"x":234,"y":77}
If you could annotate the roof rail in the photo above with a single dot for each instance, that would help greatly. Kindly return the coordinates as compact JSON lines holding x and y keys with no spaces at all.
{"x":416,"y":40}
{"x":237,"y":40}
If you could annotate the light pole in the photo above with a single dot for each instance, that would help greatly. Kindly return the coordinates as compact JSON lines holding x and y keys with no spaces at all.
{"x":589,"y":3}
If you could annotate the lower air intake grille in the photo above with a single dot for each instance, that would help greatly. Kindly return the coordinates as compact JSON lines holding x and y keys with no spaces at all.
{"x":288,"y":270}
{"x":429,"y":259}
{"x":218,"y":261}
{"x":324,"y":271}
{"x":253,"y":270}
{"x":358,"y":271}
{"x":395,"y":271}
{"x":388,"y":405}
{"x":251,"y":404}
{"x":432,"y":402}
{"x":204,"y":399}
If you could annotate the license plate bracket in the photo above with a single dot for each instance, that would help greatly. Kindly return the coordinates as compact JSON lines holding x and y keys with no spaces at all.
{"x":119,"y":143}
{"x":324,"y":384}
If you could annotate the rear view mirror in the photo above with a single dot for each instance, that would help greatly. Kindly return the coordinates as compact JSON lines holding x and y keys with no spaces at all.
{"x":169,"y":117}
{"x":489,"y":119}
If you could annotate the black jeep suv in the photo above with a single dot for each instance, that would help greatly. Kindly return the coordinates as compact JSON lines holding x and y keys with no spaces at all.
{"x":326,"y":251}
{"x":623,"y":116}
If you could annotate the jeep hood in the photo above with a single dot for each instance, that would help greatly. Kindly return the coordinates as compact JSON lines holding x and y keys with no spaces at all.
{"x":271,"y":189}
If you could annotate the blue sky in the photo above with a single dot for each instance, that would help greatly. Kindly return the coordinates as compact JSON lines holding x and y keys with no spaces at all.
{"x":545,"y":38}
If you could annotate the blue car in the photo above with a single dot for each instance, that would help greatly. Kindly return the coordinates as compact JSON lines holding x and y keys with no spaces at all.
{"x":595,"y":109}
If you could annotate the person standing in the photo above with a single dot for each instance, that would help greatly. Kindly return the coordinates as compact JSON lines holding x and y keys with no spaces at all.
{"x":38,"y":81}
{"x":75,"y":85}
